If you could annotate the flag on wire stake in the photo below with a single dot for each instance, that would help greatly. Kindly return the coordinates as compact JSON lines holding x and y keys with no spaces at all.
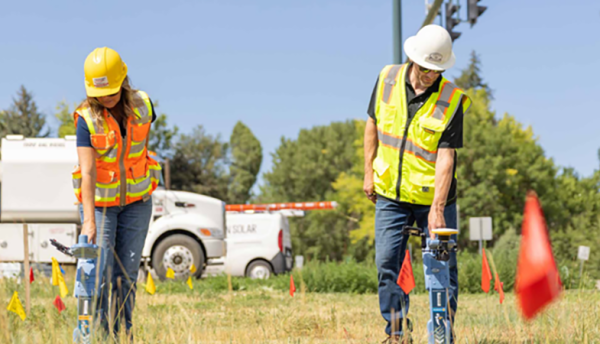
{"x":499,"y":287}
{"x":406,"y":279}
{"x":150,"y":287}
{"x":538,"y":282}
{"x":170,"y":273}
{"x":486,"y":274}
{"x":292,"y":286}
{"x":16,"y":307}
{"x":58,"y":278}
{"x":58,"y":303}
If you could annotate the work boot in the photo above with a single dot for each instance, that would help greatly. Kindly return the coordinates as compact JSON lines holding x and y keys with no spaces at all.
{"x":397,"y":340}
{"x":406,"y":339}
{"x":391,"y":340}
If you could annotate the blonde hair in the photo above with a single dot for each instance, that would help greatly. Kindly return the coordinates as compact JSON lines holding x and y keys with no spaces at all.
{"x":128,"y":99}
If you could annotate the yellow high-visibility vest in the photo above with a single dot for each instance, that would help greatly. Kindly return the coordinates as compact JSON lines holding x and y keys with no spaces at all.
{"x":125,"y":173}
{"x":404,"y":168}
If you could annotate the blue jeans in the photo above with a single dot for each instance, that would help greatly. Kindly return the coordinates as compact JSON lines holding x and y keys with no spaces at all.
{"x":390,"y":246}
{"x":121,"y":234}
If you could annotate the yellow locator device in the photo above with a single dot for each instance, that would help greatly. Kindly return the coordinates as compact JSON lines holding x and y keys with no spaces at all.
{"x":444,"y":231}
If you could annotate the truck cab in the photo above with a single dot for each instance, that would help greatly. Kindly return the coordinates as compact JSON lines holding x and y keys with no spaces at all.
{"x":186,"y":229}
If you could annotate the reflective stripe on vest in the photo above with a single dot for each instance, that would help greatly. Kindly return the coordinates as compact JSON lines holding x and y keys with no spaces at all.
{"x":124,"y":171}
{"x":406,"y":156}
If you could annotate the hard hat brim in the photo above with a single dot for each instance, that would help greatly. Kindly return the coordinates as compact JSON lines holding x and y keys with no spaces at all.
{"x":101,"y":92}
{"x":410,"y":51}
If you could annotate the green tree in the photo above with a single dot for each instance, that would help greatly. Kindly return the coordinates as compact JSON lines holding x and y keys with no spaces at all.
{"x":162,"y":138}
{"x":576,"y":221}
{"x":246,"y":153}
{"x":304,"y":170}
{"x":500,"y":161}
{"x":65,"y":118}
{"x":470,"y":77}
{"x":23,"y":118}
{"x":199,"y":164}
{"x":352,"y":202}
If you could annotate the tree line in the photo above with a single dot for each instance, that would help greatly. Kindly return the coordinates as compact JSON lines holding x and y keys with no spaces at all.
{"x":500,"y":161}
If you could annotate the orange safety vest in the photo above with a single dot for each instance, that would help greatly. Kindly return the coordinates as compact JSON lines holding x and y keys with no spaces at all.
{"x":124,"y":171}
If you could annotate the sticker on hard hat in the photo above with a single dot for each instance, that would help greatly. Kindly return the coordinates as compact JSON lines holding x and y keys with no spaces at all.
{"x":435,"y":57}
{"x":100,"y":82}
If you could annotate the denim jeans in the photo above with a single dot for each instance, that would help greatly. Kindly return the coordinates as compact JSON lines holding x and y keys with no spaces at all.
{"x":121,"y":234}
{"x":390,"y":247}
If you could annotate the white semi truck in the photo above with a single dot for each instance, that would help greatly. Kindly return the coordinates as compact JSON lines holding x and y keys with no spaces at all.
{"x":36,"y":189}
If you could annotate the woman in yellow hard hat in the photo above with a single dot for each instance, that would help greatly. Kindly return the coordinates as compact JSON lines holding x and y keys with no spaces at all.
{"x":115,"y":178}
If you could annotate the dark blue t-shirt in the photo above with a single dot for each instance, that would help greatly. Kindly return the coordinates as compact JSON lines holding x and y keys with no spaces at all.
{"x":83,"y":132}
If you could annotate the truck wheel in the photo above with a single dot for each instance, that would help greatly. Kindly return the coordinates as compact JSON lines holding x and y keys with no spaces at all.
{"x":259,"y":269}
{"x":178,"y":252}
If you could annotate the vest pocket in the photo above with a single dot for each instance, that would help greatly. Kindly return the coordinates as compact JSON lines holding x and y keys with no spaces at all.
{"x":386,"y":116}
{"x":140,"y":132}
{"x":430,"y":132}
{"x":421,"y":188}
{"x":381,"y":176}
{"x":104,"y":141}
{"x":104,"y":176}
{"x":138,"y":170}
{"x":432,"y":124}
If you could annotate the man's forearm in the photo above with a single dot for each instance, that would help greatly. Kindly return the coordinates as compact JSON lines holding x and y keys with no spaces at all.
{"x":370,"y":145}
{"x":443,"y":177}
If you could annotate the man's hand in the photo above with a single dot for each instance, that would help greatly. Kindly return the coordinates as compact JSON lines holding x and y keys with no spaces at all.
{"x":368,"y":187}
{"x":435,"y":220}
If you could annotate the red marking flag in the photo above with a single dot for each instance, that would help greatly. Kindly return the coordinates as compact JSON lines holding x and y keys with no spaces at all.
{"x":499,"y":287}
{"x":406,"y":279}
{"x":292,"y":286}
{"x":58,"y":303}
{"x":538,"y":282}
{"x":486,"y":274}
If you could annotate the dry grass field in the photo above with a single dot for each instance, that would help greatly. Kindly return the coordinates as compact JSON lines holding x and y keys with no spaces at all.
{"x":178,"y":315}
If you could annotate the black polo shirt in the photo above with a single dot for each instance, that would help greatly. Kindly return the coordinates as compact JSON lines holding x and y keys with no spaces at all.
{"x":452,"y":137}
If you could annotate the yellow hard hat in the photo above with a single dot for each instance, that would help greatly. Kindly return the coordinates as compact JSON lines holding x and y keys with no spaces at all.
{"x":104,"y":72}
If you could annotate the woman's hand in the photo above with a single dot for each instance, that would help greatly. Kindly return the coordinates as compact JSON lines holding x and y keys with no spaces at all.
{"x":89,"y":229}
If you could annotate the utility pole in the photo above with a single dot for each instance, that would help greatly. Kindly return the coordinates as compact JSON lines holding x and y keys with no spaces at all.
{"x":433,"y":11}
{"x":397,"y":30}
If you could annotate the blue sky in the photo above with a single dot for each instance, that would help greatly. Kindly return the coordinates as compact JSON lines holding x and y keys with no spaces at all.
{"x":280,"y":66}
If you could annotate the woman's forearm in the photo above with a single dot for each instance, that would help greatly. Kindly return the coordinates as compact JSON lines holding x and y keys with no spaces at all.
{"x":88,"y":191}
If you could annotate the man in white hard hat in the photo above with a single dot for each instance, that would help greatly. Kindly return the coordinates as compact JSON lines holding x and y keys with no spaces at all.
{"x":415,"y":125}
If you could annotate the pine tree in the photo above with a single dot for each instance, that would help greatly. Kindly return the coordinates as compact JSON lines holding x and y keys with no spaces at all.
{"x":247,"y":156}
{"x":23,"y":118}
{"x":471,"y":76}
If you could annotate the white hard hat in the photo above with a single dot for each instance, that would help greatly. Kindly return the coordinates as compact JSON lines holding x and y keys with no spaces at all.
{"x":431,"y":48}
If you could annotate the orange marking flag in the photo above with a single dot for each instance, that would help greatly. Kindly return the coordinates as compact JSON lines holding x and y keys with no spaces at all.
{"x":406,"y":279}
{"x":538,"y":282}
